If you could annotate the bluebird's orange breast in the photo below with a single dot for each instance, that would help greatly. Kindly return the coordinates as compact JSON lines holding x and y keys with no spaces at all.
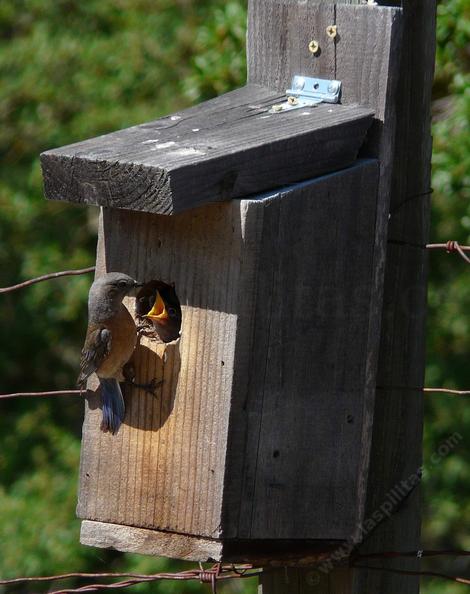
{"x":123,"y":341}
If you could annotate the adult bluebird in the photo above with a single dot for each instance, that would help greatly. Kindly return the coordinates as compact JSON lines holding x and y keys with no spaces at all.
{"x":110,"y":341}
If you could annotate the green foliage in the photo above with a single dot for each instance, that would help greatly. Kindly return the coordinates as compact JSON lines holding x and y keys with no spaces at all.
{"x":71,"y":70}
{"x":447,"y":487}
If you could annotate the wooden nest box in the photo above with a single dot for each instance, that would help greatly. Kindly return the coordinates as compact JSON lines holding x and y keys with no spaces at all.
{"x":271,"y":227}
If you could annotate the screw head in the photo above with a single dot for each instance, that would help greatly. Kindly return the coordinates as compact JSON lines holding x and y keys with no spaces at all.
{"x":332,"y":31}
{"x":292,"y":100}
{"x":314,"y":46}
{"x":277,"y":107}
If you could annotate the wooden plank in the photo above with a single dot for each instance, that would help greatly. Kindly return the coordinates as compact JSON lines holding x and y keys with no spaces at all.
{"x":306,"y":581}
{"x":397,"y":451}
{"x":279,"y":33}
{"x":165,"y":467}
{"x":300,"y":399}
{"x":149,"y":542}
{"x":225,"y":148}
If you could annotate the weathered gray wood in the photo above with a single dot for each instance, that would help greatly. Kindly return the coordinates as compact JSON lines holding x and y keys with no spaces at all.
{"x":269,"y":380}
{"x":225,"y":148}
{"x":404,"y":150}
{"x":306,"y":581}
{"x":396,"y":449}
{"x":149,"y":542}
{"x":300,"y":399}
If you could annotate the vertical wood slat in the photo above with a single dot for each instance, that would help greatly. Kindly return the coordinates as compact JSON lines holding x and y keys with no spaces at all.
{"x":397,"y":446}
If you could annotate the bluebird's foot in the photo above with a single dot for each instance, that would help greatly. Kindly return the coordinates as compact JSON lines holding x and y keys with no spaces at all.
{"x":150,"y":387}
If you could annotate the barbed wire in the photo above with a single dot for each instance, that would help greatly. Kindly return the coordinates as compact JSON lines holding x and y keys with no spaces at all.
{"x":45,"y":277}
{"x":206,"y":576}
{"x":447,"y":391}
{"x":410,"y":572}
{"x":419,"y":553}
{"x":451,"y":247}
{"x":73,"y":392}
{"x":220,"y":572}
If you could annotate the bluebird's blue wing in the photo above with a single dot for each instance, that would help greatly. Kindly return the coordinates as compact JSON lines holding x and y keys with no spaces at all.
{"x":95,"y":350}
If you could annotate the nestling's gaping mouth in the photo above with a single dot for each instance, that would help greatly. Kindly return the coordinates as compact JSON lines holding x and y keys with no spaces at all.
{"x":158,"y":311}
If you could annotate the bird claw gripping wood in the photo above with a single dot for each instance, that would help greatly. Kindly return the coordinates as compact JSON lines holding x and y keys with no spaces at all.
{"x":128,"y":372}
{"x":150,"y":387}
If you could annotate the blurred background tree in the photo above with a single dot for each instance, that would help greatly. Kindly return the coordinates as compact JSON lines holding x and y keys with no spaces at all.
{"x":71,"y":70}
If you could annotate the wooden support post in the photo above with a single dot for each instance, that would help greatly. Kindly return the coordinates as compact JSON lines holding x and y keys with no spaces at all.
{"x":401,"y":94}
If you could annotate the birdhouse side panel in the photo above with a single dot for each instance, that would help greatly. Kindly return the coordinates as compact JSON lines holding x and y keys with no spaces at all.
{"x":300,"y":424}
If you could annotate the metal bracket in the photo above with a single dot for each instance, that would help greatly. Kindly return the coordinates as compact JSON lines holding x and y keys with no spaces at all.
{"x":308,"y":92}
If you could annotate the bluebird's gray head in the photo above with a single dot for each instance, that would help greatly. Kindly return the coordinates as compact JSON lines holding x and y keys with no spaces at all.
{"x":106,"y":295}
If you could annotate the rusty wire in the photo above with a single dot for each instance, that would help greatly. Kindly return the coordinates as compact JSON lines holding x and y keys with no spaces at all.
{"x":435,"y":574}
{"x":427,"y":390}
{"x":74,"y":392}
{"x":447,"y":391}
{"x":42,"y":394}
{"x":45,"y":277}
{"x":451,"y":247}
{"x":418,"y":553}
{"x":210,"y":576}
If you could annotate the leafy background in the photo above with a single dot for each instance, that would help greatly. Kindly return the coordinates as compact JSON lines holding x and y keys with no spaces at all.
{"x":71,"y":70}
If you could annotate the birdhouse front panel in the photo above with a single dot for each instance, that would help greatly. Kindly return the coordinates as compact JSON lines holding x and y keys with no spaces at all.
{"x":261,"y":428}
{"x":165,"y":467}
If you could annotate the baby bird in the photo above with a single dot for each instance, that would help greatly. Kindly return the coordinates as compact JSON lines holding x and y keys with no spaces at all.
{"x":157,"y":302}
{"x":110,"y":341}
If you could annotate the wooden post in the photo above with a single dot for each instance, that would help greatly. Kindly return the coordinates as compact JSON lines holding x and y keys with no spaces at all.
{"x":401,"y":94}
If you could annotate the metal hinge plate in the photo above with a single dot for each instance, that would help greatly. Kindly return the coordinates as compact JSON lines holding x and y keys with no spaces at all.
{"x":308,"y":92}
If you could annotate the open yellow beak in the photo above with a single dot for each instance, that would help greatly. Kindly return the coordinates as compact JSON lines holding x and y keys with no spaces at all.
{"x":158,"y":311}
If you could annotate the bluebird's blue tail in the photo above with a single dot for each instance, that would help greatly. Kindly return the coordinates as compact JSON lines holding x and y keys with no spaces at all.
{"x":113,"y":405}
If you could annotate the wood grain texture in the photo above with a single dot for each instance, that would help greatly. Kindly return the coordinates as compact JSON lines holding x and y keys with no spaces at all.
{"x":149,"y":542}
{"x":385,"y":61}
{"x":270,"y":368}
{"x":165,"y":467}
{"x":225,"y":148}
{"x":305,"y":581}
{"x":300,"y":399}
{"x":397,"y":436}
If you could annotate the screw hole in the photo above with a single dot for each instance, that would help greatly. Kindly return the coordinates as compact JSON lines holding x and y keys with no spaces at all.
{"x":316,"y":85}
{"x":222,"y":363}
{"x":350,"y":419}
{"x":276,"y":454}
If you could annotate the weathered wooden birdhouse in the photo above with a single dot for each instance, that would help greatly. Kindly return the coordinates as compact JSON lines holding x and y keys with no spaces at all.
{"x":266,"y":208}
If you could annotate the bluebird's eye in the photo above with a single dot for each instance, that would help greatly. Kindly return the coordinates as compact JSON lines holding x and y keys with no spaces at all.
{"x":122,"y":284}
{"x":171,"y":312}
